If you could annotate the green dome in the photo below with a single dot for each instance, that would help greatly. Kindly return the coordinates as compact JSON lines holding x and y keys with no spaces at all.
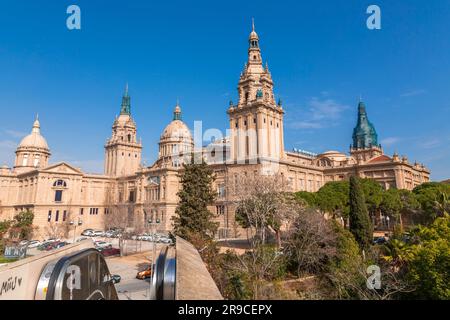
{"x":364,"y":134}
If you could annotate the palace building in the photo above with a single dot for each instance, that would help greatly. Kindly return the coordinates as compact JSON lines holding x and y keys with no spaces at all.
{"x":60,"y":193}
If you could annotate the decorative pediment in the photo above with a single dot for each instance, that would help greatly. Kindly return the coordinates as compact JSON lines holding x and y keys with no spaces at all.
{"x":62,"y":167}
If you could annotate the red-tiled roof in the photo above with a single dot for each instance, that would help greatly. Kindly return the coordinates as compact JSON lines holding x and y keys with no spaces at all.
{"x":381,"y":158}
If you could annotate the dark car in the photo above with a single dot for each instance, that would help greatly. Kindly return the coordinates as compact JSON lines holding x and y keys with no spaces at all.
{"x":43,"y":245}
{"x":379,"y":240}
{"x":108,"y":252}
{"x":54,"y":245}
{"x":115,"y":278}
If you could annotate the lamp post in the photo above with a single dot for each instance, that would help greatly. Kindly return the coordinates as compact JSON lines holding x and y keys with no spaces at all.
{"x":153,"y":227}
{"x":72,"y":223}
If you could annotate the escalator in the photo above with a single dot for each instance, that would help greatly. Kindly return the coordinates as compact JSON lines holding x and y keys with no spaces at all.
{"x":83,"y":275}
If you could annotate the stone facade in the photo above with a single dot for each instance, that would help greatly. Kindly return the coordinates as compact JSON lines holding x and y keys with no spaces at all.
{"x":60,"y":193}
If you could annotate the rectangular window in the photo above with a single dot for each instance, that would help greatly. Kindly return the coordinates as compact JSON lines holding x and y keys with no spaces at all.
{"x":81,"y":211}
{"x":57,"y":215}
{"x":58,"y":195}
{"x":131,"y":197}
{"x":96,"y":210}
{"x":49,"y":218}
{"x":64,"y":215}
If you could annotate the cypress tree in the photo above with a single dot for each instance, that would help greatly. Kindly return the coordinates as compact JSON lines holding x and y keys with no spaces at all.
{"x":192,"y":217}
{"x":360,"y":224}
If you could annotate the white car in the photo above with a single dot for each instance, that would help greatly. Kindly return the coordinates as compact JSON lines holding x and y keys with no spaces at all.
{"x":103,"y":244}
{"x":97,"y":233}
{"x":82,"y":239}
{"x":52,"y":240}
{"x":87,"y":232}
{"x":33,"y":243}
{"x":23,"y":242}
{"x":165,"y":240}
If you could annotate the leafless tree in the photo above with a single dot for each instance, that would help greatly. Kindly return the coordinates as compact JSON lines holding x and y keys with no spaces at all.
{"x":261,"y":206}
{"x":264,"y":208}
{"x":309,"y":241}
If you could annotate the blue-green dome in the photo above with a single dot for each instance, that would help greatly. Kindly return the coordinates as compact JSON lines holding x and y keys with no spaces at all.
{"x":364,"y":134}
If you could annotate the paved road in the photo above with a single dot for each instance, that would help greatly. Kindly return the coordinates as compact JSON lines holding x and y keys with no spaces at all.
{"x":127,"y":267}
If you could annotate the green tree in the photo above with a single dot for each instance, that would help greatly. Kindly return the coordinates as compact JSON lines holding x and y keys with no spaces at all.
{"x":433,"y":199}
{"x":360,"y":225}
{"x":307,"y":198}
{"x":429,"y":267}
{"x":22,"y":225}
{"x":373,"y":195}
{"x":192,"y":216}
{"x":333,"y":197}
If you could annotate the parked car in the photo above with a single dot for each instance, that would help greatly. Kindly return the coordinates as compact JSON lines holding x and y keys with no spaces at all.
{"x":87,"y":232}
{"x":109,"y":233}
{"x":61,"y":244}
{"x":23,"y":243}
{"x":52,"y":240}
{"x":115,"y":278}
{"x":380,"y":240}
{"x":108,"y":252}
{"x":165,"y":240}
{"x":51,"y":246}
{"x":43,"y":245}
{"x":102,"y":244}
{"x":97,"y":233}
{"x":34,"y":243}
{"x":147,"y":273}
{"x":81,"y":239}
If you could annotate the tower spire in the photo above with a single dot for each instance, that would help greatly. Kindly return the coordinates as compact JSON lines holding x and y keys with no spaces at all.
{"x":36,"y":125}
{"x":177,"y":111}
{"x":253,"y":24}
{"x":126,"y":106}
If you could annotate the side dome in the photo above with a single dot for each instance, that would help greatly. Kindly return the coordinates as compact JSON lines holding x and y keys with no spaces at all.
{"x":34,"y":140}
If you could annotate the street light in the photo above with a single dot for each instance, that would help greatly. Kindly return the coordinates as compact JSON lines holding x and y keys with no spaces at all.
{"x":79,"y":223}
{"x":154,"y":226}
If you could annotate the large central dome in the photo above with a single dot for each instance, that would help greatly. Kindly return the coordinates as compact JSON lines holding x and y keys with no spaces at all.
{"x":176,"y":140}
{"x":176,"y":130}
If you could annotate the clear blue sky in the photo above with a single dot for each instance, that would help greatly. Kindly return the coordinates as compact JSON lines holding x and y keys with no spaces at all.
{"x":321,"y":55}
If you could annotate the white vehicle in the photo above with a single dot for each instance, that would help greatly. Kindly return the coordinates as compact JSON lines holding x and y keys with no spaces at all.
{"x":52,"y":240}
{"x":103,"y":244}
{"x":23,"y":242}
{"x":33,"y":243}
{"x":87,"y":232}
{"x":166,"y":240}
{"x":109,"y":234}
{"x":97,"y":233}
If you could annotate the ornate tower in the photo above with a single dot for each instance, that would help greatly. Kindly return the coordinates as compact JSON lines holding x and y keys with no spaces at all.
{"x":365,"y":139}
{"x":122,"y":151}
{"x":33,"y":151}
{"x":256,"y":122}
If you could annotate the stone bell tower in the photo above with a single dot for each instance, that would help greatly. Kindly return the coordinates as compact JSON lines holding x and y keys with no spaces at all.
{"x":122,"y":150}
{"x":256,"y":121}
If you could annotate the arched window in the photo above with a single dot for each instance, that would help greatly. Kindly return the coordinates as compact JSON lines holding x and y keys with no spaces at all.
{"x":129,"y":137}
{"x":60,"y":183}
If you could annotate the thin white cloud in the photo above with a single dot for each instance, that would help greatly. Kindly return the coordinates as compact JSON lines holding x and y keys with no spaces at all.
{"x":430,"y":143}
{"x":7,"y":148}
{"x":88,"y":166}
{"x":15,"y":133}
{"x":413,"y":93}
{"x":389,"y":141}
{"x":321,"y":113}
